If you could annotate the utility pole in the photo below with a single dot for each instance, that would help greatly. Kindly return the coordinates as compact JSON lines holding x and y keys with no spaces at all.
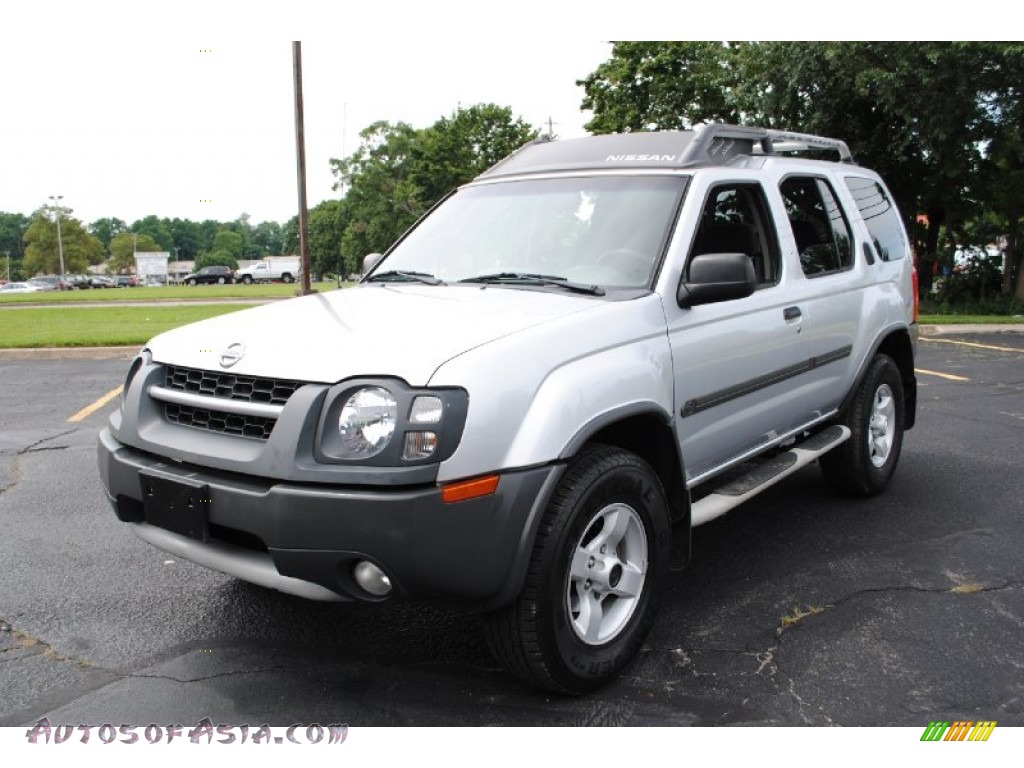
{"x":8,"y":255}
{"x":300,"y":159}
{"x":60,"y":242}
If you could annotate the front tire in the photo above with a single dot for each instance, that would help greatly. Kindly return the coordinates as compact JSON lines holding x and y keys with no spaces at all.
{"x":192,"y":281}
{"x":864,"y":464}
{"x":221,"y":281}
{"x":286,"y":278}
{"x":590,"y":595}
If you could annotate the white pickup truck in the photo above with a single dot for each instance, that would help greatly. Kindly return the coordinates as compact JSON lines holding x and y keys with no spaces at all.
{"x":285,"y":268}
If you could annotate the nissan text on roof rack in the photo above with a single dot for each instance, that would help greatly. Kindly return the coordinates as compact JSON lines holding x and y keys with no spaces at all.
{"x":534,"y":395}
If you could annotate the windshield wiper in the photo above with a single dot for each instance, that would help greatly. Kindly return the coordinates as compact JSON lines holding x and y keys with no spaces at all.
{"x":528,"y":278}
{"x":402,"y":275}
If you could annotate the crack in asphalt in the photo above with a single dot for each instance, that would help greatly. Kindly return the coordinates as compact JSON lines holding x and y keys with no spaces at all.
{"x":33,"y":447}
{"x":15,"y":466}
{"x":136,"y":676}
{"x":766,"y":658}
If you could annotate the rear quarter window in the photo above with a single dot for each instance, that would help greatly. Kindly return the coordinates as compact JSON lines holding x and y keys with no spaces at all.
{"x":881,"y":217}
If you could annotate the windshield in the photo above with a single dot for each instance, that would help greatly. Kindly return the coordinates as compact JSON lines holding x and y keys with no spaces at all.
{"x":605,"y":231}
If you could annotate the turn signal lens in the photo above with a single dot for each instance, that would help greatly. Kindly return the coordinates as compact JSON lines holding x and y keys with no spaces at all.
{"x":469,"y":489}
{"x":419,"y":445}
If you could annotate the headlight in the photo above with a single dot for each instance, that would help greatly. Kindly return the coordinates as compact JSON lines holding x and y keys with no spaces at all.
{"x":367,"y":422}
{"x":383,"y":424}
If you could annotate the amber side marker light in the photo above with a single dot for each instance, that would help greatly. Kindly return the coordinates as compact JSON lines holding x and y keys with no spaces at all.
{"x":469,"y":489}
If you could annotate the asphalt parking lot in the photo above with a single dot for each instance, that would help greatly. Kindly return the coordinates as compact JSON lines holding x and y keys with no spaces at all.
{"x":800,"y":608}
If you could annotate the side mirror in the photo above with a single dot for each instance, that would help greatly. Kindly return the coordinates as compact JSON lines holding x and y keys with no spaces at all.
{"x":713,"y":277}
{"x":370,"y":261}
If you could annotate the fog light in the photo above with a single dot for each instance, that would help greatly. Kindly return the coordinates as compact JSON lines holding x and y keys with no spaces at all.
{"x":372,"y":579}
{"x":419,"y":445}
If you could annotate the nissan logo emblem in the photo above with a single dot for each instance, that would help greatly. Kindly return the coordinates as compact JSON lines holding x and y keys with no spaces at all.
{"x":232,"y":354}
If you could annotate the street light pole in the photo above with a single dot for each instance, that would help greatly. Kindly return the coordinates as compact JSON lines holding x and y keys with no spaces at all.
{"x":60,"y":242}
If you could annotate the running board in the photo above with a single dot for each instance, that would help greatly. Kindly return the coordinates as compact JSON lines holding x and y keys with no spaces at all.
{"x":765,"y":474}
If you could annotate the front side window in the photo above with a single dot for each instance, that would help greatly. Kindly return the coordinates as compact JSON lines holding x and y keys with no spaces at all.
{"x":606,"y":231}
{"x":735,"y":220}
{"x":820,"y":229}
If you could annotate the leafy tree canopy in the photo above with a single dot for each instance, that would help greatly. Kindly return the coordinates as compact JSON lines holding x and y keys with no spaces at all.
{"x":105,"y":230}
{"x":216,"y":258}
{"x":229,"y":242}
{"x":42,"y":255}
{"x":123,"y":248}
{"x":398,"y":172}
{"x":939,"y":120}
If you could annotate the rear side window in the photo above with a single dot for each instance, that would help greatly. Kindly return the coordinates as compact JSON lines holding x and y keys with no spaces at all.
{"x":820,"y":229}
{"x":879,"y":213}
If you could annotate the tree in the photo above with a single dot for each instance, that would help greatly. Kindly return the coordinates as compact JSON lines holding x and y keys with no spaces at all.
{"x":326,"y":230}
{"x":157,"y":229}
{"x":123,"y":248}
{"x":267,"y":238}
{"x":651,"y":86}
{"x":41,"y":247}
{"x":12,"y":243}
{"x":216,"y":258}
{"x":398,"y":172}
{"x":382,"y":200}
{"x":105,"y":230}
{"x":229,"y":242}
{"x":921,"y":114}
{"x":187,"y":238}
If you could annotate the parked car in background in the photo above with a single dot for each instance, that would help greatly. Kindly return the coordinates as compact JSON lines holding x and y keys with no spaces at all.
{"x":20,"y":288}
{"x":220,"y":275}
{"x":101,"y":281}
{"x":125,"y":281}
{"x":283,"y":268}
{"x":50,"y":282}
{"x":77,"y":281}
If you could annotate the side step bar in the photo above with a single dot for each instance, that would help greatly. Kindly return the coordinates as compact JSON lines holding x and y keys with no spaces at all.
{"x":765,"y":474}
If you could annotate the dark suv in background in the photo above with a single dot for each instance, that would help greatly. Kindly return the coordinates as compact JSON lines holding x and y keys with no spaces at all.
{"x":219,"y":275}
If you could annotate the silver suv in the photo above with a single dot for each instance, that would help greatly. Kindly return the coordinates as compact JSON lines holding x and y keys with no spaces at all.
{"x":533,"y":396}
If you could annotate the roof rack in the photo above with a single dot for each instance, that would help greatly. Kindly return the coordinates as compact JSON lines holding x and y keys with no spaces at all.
{"x":717,"y":143}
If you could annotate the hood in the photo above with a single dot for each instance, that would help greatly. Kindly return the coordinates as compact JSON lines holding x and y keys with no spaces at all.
{"x":369,"y":330}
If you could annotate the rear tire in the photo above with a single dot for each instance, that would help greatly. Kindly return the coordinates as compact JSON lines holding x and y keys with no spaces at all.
{"x":221,"y":281}
{"x":286,"y":278}
{"x":864,"y":464}
{"x":591,"y":588}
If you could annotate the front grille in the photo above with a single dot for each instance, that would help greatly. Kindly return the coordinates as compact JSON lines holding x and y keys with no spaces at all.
{"x":228,"y":387}
{"x":259,"y":427}
{"x":249,"y":389}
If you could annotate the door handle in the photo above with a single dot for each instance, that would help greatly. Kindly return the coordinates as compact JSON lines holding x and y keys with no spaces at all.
{"x":791,"y":313}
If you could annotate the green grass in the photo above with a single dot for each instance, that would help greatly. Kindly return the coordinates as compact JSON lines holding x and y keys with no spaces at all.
{"x":200,"y":292}
{"x":971,"y":319}
{"x":98,"y":326}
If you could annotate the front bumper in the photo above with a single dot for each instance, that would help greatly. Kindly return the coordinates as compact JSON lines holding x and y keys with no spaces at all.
{"x":305,"y":539}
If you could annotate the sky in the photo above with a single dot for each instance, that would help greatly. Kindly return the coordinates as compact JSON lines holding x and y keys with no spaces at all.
{"x":199,"y":122}
{"x":186,"y":109}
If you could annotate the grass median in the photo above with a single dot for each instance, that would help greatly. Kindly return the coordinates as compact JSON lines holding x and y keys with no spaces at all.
{"x":66,"y":326}
{"x":177,"y":292}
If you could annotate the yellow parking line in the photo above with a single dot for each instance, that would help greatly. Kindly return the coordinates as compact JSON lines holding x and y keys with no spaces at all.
{"x":973,"y":344}
{"x":84,"y":413}
{"x":949,"y":376}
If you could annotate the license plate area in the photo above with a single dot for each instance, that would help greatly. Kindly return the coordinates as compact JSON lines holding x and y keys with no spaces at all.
{"x":179,"y":505}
